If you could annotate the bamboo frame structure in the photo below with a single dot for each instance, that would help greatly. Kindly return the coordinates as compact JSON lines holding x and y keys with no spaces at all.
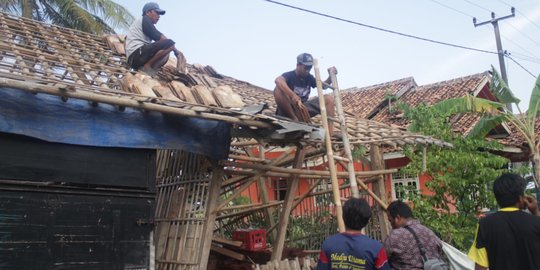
{"x":197,"y":199}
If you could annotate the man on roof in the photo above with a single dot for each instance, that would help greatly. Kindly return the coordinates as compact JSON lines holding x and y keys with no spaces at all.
{"x":292,"y":93}
{"x":142,"y":53}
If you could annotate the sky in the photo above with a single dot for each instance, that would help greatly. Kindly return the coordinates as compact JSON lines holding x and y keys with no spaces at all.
{"x":256,"y":40}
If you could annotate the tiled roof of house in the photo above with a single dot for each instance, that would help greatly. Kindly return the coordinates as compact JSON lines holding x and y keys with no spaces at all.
{"x":433,"y":93}
{"x":35,"y":56}
{"x":366,"y":101}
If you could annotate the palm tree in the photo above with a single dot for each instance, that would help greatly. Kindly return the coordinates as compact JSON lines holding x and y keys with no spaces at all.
{"x":495,"y":113}
{"x":92,"y":16}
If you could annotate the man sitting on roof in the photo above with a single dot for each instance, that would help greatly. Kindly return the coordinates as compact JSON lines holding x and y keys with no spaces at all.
{"x":292,"y":93}
{"x":144,"y":54}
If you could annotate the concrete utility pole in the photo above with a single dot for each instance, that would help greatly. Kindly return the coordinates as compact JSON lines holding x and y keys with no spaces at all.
{"x":500,"y":51}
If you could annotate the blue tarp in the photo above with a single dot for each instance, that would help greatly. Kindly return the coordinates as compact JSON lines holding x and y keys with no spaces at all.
{"x":49,"y":118}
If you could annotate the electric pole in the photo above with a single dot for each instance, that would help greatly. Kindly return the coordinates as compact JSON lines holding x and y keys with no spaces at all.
{"x":495,"y":22}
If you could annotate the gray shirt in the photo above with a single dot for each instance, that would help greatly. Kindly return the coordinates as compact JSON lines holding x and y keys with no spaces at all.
{"x":140,"y":33}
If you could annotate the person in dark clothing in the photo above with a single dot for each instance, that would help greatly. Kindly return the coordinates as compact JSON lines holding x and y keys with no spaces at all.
{"x":401,"y":246}
{"x":141,"y":52}
{"x":292,"y":92}
{"x":509,"y":238}
{"x":352,"y":249}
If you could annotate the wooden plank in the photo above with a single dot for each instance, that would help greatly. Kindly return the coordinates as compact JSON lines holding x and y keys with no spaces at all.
{"x":228,"y":242}
{"x":227,"y":252}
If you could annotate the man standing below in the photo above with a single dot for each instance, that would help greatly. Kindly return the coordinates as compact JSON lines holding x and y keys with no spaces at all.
{"x":292,"y":93}
{"x":144,"y":54}
{"x":510,"y":238}
{"x":401,"y":246}
{"x":351,"y":249}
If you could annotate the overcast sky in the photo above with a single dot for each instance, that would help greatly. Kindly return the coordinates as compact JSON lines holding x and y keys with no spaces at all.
{"x":255,"y":40}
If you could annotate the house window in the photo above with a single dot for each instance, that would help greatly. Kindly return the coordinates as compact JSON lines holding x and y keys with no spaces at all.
{"x":280,"y":189}
{"x":402,"y":185}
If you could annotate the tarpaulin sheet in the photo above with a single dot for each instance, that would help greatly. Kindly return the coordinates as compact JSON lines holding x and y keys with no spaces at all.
{"x":75,"y":121}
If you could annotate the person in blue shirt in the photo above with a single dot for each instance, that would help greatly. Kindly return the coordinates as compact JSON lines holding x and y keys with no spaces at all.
{"x":352,"y":249}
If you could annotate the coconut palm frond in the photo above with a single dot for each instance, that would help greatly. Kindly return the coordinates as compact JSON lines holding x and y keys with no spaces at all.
{"x":113,"y":14}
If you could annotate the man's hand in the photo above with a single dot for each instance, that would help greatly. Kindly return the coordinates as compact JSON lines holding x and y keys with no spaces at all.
{"x":332,"y":70}
{"x":532,"y":205}
{"x":300,"y":109}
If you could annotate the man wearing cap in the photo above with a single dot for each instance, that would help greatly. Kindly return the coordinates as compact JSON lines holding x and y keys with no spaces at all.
{"x":292,"y":92}
{"x":142,"y":53}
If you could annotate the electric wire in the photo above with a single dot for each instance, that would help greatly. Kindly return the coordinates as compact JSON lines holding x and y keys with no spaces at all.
{"x":532,"y":55}
{"x":449,"y":7}
{"x":510,"y":24}
{"x":380,"y":29}
{"x":522,"y":14}
{"x":525,"y":35}
{"x":477,"y":5}
{"x":517,"y":63}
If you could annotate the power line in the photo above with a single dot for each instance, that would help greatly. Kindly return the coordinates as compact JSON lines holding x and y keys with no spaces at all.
{"x":381,"y":29}
{"x":525,"y":58}
{"x":532,"y":55}
{"x":477,"y":5}
{"x":449,"y":7}
{"x":520,"y":13}
{"x":522,"y":67}
{"x":527,"y":36}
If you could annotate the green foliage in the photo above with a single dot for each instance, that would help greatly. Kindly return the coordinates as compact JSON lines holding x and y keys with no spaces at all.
{"x":461,"y":177}
{"x":92,"y":16}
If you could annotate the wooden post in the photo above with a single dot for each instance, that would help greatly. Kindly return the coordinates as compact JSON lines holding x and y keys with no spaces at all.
{"x":268,"y":212}
{"x":213,"y":196}
{"x":377,"y":163}
{"x":287,"y":205}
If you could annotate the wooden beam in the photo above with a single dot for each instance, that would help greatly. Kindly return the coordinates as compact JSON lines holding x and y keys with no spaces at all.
{"x":377,"y":163}
{"x":228,"y":242}
{"x":296,"y":171}
{"x":227,"y":252}
{"x":286,"y":208}
{"x":208,"y":231}
{"x":143,"y":103}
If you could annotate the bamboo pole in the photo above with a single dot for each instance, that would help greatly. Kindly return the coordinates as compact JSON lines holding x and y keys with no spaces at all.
{"x":286,"y":208}
{"x":330,"y":154}
{"x":304,"y":172}
{"x":144,"y":103}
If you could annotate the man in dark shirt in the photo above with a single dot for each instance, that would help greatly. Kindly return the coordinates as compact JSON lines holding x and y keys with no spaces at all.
{"x":293,"y":89}
{"x":352,"y":249}
{"x":144,"y":54}
{"x":509,"y":238}
{"x":401,"y":246}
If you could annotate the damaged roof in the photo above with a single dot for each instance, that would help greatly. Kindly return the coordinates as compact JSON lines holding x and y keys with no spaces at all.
{"x":39,"y":57}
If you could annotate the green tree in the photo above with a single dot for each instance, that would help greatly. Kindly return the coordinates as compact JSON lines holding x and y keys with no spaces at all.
{"x":460,"y":177}
{"x":92,"y":16}
{"x":495,"y":113}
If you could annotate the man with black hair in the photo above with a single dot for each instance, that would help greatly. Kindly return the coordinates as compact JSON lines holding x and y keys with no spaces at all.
{"x":142,"y":53}
{"x":352,"y":249}
{"x":292,"y":93}
{"x":509,"y":238}
{"x":401,"y":246}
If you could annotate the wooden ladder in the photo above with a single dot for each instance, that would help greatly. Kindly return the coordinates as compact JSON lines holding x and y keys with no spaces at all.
{"x":348,"y":159}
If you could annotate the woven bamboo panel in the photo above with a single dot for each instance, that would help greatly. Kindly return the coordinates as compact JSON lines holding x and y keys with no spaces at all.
{"x":181,"y":209}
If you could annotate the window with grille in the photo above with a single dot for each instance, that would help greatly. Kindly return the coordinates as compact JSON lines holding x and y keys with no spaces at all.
{"x":403,"y":184}
{"x":280,"y":188}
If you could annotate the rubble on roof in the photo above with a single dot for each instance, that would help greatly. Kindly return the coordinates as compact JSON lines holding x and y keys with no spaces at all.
{"x":41,"y":54}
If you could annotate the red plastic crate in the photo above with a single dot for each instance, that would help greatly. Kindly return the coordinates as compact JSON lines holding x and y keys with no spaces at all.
{"x":252,"y":239}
